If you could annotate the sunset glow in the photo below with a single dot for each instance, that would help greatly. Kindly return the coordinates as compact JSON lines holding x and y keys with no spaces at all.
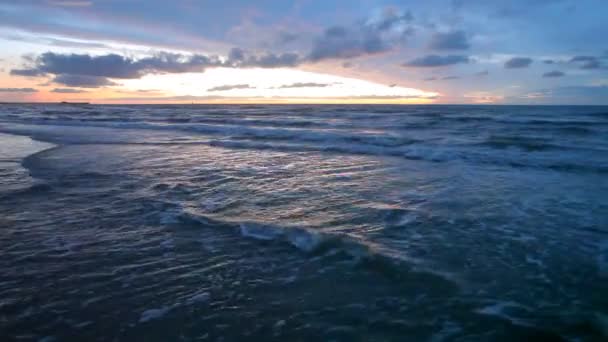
{"x":462,"y":52}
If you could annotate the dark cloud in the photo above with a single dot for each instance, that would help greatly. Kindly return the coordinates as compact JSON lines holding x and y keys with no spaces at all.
{"x":82,"y":81}
{"x":305,"y":85}
{"x":444,"y":78}
{"x":18,"y":90}
{"x":273,"y":61}
{"x":437,"y":61}
{"x":455,"y":40}
{"x":549,"y":61}
{"x":75,"y":69}
{"x":555,"y":73}
{"x":230,"y":87}
{"x":236,"y":55}
{"x":518,"y":62}
{"x":582,"y":59}
{"x":286,"y":37}
{"x":340,"y":42}
{"x":482,"y":73}
{"x":389,"y":19}
{"x":27,"y":72}
{"x":586,"y":62}
{"x":378,"y":34}
{"x":117,"y":66}
{"x":67,"y":91}
{"x":238,"y":58}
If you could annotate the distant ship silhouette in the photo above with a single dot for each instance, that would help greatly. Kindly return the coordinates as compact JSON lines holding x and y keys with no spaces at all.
{"x":76,"y":103}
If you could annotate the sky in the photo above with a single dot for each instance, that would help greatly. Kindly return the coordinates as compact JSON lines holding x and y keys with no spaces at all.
{"x":305,"y":51}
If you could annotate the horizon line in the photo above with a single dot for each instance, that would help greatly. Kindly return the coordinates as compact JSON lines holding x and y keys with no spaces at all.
{"x":86,"y":103}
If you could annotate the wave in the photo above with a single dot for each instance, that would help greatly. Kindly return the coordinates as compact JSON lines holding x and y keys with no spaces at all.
{"x":525,"y":143}
{"x":318,"y":244}
{"x":396,"y":142}
{"x":289,"y":140}
{"x":364,"y":255}
{"x":305,"y":240}
{"x":549,"y":123}
{"x":265,"y":133}
{"x":599,"y":114}
{"x":602,"y":259}
{"x":34,"y":189}
{"x":576,"y":130}
{"x":357,"y":149}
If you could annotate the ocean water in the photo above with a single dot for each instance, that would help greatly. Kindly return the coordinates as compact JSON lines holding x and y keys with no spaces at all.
{"x":303,"y":223}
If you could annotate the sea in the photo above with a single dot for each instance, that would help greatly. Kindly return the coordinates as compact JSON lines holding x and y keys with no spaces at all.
{"x":303,"y":223}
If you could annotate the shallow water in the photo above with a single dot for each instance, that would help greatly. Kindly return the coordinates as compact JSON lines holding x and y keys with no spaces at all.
{"x":304,"y":222}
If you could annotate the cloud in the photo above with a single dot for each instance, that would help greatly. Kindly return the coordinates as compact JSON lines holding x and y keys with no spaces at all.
{"x":27,"y":72}
{"x":274,"y":60}
{"x":54,"y":41}
{"x":444,"y":78}
{"x":286,"y":37}
{"x":536,"y":95}
{"x":549,"y":61}
{"x":431,"y":61}
{"x":85,"y":67}
{"x":305,"y":85}
{"x":586,"y":62}
{"x":67,"y":91}
{"x":117,"y":66}
{"x":339,"y":42}
{"x":72,"y":43}
{"x":455,"y":40}
{"x":18,"y":90}
{"x":378,"y":34}
{"x":238,"y":58}
{"x":482,"y":73}
{"x":122,"y":22}
{"x":518,"y":62}
{"x":82,"y":81}
{"x":553,"y":74}
{"x":569,"y":95}
{"x":86,"y":71}
{"x":390,"y":18}
{"x":230,"y":87}
{"x":70,"y":3}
